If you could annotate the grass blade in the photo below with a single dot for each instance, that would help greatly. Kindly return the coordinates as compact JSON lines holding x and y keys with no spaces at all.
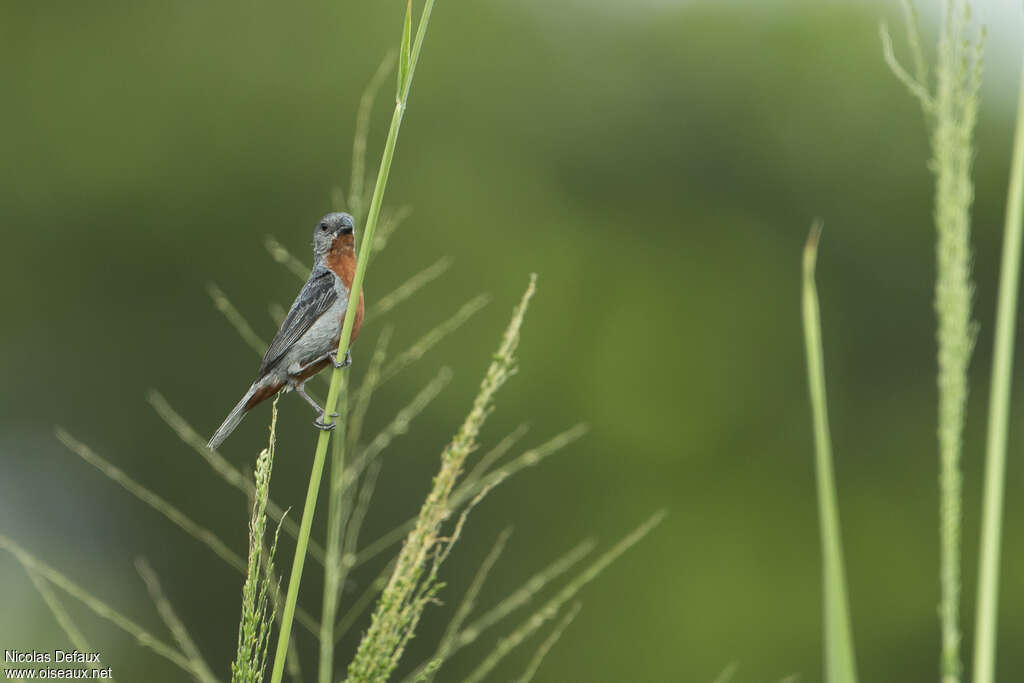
{"x":115,"y":474}
{"x":470,"y":487}
{"x":237,"y":320}
{"x":839,"y":659}
{"x":228,"y":472}
{"x":432,"y":337}
{"x":549,"y":642}
{"x":999,"y":414}
{"x":462,"y":612}
{"x":100,"y":608}
{"x":357,"y":198}
{"x":173,"y":623}
{"x":409,"y":287}
{"x":403,"y":59}
{"x":59,"y":612}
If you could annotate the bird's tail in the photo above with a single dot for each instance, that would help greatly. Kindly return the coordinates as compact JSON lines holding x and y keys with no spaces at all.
{"x":233,"y":418}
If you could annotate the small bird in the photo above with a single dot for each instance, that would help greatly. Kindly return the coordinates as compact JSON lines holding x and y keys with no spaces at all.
{"x":308,"y":339}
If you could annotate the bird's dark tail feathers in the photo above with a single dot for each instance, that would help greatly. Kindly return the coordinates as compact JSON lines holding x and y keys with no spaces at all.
{"x":233,"y":418}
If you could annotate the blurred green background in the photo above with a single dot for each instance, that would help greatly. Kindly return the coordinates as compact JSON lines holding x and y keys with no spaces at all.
{"x":657,"y":163}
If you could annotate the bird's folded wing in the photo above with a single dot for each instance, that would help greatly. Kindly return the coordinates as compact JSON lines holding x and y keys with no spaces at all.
{"x":315,"y":299}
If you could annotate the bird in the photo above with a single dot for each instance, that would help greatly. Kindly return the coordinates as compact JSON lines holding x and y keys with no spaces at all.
{"x":308,"y":339}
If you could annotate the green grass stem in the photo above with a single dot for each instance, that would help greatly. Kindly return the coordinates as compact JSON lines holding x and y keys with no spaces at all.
{"x":323,"y":439}
{"x":545,"y":647}
{"x":999,"y":414}
{"x":333,"y":571}
{"x":839,"y":657}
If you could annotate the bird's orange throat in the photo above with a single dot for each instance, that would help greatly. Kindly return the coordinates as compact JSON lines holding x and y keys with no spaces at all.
{"x":342,"y":259}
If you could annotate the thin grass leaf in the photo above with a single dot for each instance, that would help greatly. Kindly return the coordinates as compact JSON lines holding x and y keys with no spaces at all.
{"x":550,"y":609}
{"x":399,"y":425}
{"x":403,"y":59}
{"x":355,"y":522}
{"x":237,"y":320}
{"x":280,"y":254}
{"x":534,"y":666}
{"x":228,"y":472}
{"x":470,"y":488}
{"x":839,"y":657}
{"x":173,"y":622}
{"x":918,"y":89}
{"x":358,"y":180}
{"x":530,"y":458}
{"x":97,"y":606}
{"x":59,"y":612}
{"x":364,"y":600}
{"x":495,"y":454}
{"x":362,"y":399}
{"x":390,"y":221}
{"x":431,"y":338}
{"x":728,"y":673}
{"x":417,"y":47}
{"x":430,"y":587}
{"x":180,"y":519}
{"x":522,"y":595}
{"x":999,"y":413}
{"x":405,"y":290}
{"x":427,"y":671}
{"x":277,"y":313}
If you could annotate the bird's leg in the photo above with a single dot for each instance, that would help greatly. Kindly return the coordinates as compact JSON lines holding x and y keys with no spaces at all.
{"x":319,"y":423}
{"x":329,"y":356}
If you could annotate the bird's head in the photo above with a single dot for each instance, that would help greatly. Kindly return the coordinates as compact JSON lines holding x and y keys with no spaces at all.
{"x":333,"y":227}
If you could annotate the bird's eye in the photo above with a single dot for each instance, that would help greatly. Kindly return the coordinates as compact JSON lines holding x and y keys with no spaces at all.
{"x":323,"y":226}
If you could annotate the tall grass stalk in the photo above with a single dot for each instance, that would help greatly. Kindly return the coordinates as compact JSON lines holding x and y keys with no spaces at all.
{"x":951,"y":112}
{"x":259,"y":591}
{"x":999,"y":414}
{"x":408,"y":58}
{"x":839,"y":658}
{"x":332,"y":561}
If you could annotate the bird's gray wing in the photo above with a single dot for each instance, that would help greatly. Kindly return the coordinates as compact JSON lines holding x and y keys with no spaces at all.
{"x":316,"y":297}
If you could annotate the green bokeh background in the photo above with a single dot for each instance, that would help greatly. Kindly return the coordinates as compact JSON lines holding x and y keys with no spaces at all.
{"x":657,"y":163}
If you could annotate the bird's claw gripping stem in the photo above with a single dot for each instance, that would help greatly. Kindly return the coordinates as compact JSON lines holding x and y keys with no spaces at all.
{"x":325,"y":426}
{"x":343,"y":364}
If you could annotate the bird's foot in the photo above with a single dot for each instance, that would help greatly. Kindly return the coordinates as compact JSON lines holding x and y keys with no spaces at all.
{"x":343,"y":364}
{"x":325,"y":426}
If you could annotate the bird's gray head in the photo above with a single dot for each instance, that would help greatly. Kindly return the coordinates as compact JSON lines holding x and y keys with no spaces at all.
{"x":328,"y":229}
